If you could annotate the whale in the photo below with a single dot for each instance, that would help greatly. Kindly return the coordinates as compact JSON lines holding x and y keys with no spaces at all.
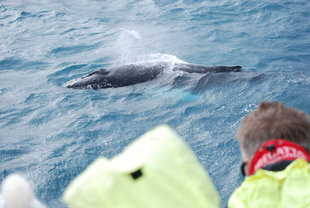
{"x":138,"y":73}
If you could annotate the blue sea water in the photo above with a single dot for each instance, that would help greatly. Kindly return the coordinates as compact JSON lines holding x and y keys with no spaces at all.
{"x":51,"y":133}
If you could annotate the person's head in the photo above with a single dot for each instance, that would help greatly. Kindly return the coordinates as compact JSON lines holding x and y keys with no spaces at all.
{"x":272,"y":121}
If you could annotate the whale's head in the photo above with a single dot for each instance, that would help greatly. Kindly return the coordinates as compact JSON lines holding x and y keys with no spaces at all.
{"x":95,"y":80}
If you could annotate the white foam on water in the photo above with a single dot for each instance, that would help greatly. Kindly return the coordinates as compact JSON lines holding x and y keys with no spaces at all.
{"x":159,"y":57}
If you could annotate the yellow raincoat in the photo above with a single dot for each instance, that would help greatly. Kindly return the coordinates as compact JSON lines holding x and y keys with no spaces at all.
{"x":158,"y":170}
{"x":277,"y":189}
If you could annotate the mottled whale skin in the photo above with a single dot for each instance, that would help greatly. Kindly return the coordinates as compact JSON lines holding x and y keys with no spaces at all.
{"x":138,"y":73}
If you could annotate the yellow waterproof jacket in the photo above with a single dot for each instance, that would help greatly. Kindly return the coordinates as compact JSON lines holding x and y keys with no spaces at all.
{"x":158,"y":170}
{"x":277,"y":189}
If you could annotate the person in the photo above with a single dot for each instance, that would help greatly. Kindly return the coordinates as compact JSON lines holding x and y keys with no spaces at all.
{"x":275,"y":145}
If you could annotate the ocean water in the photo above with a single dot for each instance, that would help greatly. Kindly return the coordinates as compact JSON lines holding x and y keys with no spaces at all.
{"x":51,"y":133}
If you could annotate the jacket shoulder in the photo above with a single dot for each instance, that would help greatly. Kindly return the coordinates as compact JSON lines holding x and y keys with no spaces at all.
{"x":287,"y":188}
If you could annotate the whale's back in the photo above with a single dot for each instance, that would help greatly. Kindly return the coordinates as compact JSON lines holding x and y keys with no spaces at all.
{"x":133,"y":74}
{"x":118,"y":76}
{"x":139,"y":73}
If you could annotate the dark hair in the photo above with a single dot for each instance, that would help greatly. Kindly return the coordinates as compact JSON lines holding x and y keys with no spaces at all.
{"x":273,"y":121}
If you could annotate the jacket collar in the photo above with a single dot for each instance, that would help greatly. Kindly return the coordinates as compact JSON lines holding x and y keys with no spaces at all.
{"x":277,"y":154}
